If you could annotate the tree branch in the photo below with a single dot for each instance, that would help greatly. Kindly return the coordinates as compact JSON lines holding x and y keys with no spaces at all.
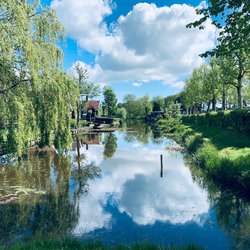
{"x":4,"y":91}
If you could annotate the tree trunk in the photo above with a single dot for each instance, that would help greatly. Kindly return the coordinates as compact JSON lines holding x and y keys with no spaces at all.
{"x":146,"y":111}
{"x":239,"y":85}
{"x":77,"y":117}
{"x":192,"y":110}
{"x":214,"y":104}
{"x":200,"y":108}
{"x":78,"y":152}
{"x":223,"y":98}
{"x":208,"y":106}
{"x":244,"y":104}
{"x":239,"y":95}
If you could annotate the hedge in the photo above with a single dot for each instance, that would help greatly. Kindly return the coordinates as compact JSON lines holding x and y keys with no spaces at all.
{"x":237,"y":120}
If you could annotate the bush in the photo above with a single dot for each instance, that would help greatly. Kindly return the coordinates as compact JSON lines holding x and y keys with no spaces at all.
{"x":236,"y":169}
{"x":73,"y":244}
{"x":83,"y":123}
{"x":187,"y":132}
{"x":238,"y":120}
{"x":229,"y":167}
{"x":194,"y":142}
{"x":116,"y":122}
{"x":121,"y":113}
{"x":207,"y":156}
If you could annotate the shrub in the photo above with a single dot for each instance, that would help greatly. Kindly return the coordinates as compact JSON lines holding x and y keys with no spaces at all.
{"x":116,"y":122}
{"x":121,"y":113}
{"x":194,"y":142}
{"x":208,"y":156}
{"x":187,"y":132}
{"x":238,"y":120}
{"x":83,"y":123}
{"x":236,"y":169}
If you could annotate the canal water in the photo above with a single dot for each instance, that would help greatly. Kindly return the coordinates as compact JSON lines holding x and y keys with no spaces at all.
{"x":109,"y":187}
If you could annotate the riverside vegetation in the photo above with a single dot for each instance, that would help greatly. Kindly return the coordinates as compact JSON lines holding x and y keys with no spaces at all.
{"x":73,"y":244}
{"x":31,"y":73}
{"x":219,"y":143}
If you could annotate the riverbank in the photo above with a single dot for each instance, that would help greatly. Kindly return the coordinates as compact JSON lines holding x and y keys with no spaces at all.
{"x":223,"y":154}
{"x":74,"y":244}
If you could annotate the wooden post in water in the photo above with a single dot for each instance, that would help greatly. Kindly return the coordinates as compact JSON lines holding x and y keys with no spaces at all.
{"x":161,"y":166}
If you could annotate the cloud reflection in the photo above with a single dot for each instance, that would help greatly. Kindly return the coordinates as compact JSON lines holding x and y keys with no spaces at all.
{"x":132,"y":179}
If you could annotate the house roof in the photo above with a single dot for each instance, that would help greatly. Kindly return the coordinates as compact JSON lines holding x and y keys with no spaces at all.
{"x":91,"y":105}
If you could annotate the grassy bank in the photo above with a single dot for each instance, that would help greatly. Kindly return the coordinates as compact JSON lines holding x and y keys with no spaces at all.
{"x":223,"y":154}
{"x":74,"y":244}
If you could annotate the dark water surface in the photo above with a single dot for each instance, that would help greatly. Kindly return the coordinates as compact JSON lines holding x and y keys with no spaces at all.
{"x":109,"y":188}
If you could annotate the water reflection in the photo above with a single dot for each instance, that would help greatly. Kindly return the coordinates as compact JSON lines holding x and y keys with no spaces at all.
{"x":82,"y":170}
{"x":110,"y":145}
{"x":232,"y":212}
{"x":112,"y":190}
{"x":43,"y":205}
{"x":138,"y":132}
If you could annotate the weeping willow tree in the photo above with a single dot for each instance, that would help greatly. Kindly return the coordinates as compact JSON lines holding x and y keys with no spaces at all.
{"x":35,"y":95}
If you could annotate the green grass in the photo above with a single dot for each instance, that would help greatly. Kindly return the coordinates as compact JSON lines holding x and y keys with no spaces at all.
{"x":223,"y":138}
{"x":223,"y":154}
{"x":73,"y":244}
{"x":194,"y":142}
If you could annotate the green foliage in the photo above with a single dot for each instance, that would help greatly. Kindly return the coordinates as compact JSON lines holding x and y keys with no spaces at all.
{"x":185,"y":133}
{"x":121,"y":113}
{"x":172,"y":119}
{"x":233,"y":16}
{"x":228,"y":165}
{"x":110,"y":101}
{"x":246,"y":92}
{"x":72,"y":244}
{"x":90,"y":90}
{"x":143,"y":134}
{"x":27,"y":42}
{"x":146,"y":105}
{"x":158,"y":103}
{"x":193,"y":142}
{"x":87,"y":89}
{"x":137,"y":108}
{"x":170,"y":99}
{"x":207,"y":157}
{"x":211,"y":83}
{"x":237,"y":120}
{"x":36,"y":97}
{"x":110,"y":145}
{"x":173,"y":112}
{"x":115,"y":122}
{"x":83,"y":123}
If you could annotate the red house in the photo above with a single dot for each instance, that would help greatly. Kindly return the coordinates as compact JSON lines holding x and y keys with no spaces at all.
{"x":92,"y":106}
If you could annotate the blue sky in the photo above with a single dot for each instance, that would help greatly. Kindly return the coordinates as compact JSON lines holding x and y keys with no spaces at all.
{"x":139,"y":47}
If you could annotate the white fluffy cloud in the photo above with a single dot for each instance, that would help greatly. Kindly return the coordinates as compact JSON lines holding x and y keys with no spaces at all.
{"x":137,"y":84}
{"x":131,"y":179}
{"x":149,"y":43}
{"x":83,"y":20}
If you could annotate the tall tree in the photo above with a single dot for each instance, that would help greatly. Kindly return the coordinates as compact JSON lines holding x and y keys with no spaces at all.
{"x":110,"y":100}
{"x":233,"y":19}
{"x":158,"y":103}
{"x":193,"y":92}
{"x":27,"y":40}
{"x":81,"y":77}
{"x":36,"y":96}
{"x":90,"y":90}
{"x":147,"y":105}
